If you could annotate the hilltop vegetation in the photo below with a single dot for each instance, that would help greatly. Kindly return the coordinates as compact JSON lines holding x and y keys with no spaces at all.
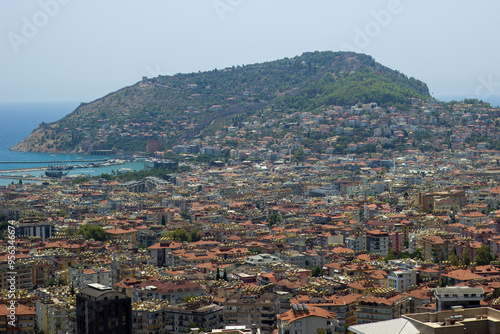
{"x":180,"y":107}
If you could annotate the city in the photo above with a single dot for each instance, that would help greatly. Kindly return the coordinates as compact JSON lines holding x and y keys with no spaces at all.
{"x":272,"y":226}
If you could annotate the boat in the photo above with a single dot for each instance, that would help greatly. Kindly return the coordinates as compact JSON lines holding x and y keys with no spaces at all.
{"x":56,"y":171}
{"x":52,"y":155}
{"x":125,"y":170}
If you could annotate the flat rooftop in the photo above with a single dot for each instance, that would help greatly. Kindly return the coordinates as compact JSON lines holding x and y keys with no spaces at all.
{"x":486,"y":318}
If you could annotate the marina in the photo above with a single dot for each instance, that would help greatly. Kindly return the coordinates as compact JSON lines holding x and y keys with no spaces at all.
{"x":44,"y":173}
{"x":44,"y":162}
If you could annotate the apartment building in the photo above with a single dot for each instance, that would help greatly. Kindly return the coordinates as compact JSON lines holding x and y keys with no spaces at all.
{"x":259,"y":309}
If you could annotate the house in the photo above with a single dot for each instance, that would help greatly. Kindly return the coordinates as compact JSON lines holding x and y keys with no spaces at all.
{"x":302,"y":319}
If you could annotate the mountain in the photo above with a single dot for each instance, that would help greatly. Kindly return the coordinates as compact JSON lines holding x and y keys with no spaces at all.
{"x":181,"y":107}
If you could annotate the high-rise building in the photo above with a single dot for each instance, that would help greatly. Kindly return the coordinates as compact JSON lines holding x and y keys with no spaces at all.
{"x":99,"y":309}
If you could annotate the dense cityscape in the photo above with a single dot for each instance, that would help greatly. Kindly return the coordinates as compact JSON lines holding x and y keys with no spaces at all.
{"x":337,"y":220}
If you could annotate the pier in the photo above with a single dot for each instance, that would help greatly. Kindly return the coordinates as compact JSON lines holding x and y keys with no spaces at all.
{"x":50,"y":162}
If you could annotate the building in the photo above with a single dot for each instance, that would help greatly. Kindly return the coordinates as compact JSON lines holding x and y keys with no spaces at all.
{"x":377,"y":242}
{"x":343,"y":306}
{"x":169,"y":291}
{"x":393,"y":326}
{"x":472,"y":218}
{"x":81,"y":277}
{"x":160,"y":251}
{"x":463,"y":296}
{"x":121,"y":234}
{"x":197,"y":312}
{"x":356,"y":242}
{"x":99,"y":309}
{"x":211,"y":150}
{"x":153,"y":146}
{"x":426,"y":200}
{"x":262,"y":259}
{"x":149,"y":317}
{"x":481,"y":320}
{"x":24,"y":322}
{"x":146,"y":238}
{"x":294,"y":258}
{"x":374,"y":309}
{"x":437,"y":248}
{"x":302,"y":319}
{"x":23,"y":276}
{"x":259,"y":309}
{"x":401,"y":280}
{"x":42,"y":229}
{"x":186,"y":149}
{"x":145,"y":185}
{"x":51,"y":315}
{"x":42,"y":272}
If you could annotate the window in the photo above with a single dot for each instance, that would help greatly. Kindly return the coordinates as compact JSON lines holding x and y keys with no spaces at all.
{"x":298,"y":323}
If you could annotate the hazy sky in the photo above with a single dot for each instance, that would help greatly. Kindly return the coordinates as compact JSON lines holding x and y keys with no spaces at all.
{"x":80,"y":50}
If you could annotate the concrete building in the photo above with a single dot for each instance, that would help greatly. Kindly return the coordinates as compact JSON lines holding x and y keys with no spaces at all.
{"x":180,"y":318}
{"x":24,"y":322}
{"x":302,"y":319}
{"x":51,"y":316}
{"x":393,"y":326}
{"x":294,"y":258}
{"x":437,"y":248}
{"x":122,"y":234}
{"x":463,"y":296}
{"x":377,"y":242}
{"x":81,"y":277}
{"x":401,"y":280}
{"x":373,"y":309}
{"x":356,"y":242}
{"x":42,"y":229}
{"x":99,"y":309}
{"x":23,"y":276}
{"x":481,"y":320}
{"x":259,"y":309}
{"x":262,"y":259}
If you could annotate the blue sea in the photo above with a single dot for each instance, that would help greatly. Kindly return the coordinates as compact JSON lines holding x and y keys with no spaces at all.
{"x":18,"y":120}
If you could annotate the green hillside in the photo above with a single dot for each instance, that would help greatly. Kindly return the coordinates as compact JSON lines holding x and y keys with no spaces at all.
{"x":179,"y":107}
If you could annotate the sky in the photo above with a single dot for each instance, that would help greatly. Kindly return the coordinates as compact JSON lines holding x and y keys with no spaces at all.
{"x":81,"y":50}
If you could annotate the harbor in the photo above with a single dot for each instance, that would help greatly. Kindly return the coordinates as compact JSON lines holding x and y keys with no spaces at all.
{"x":61,"y":169}
{"x":44,"y":162}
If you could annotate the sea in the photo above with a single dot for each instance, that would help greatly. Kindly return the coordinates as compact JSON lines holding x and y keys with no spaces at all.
{"x":18,"y":120}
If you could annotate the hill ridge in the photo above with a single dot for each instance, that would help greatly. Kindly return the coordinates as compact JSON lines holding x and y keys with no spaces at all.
{"x":179,"y":107}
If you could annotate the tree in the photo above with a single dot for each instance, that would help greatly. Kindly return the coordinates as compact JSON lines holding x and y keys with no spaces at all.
{"x":224,"y":275}
{"x":50,"y":282}
{"x":194,"y":235}
{"x":163,"y":222}
{"x":391,"y":255}
{"x":466,"y":257}
{"x":90,"y":231}
{"x":273,"y":219}
{"x":417,"y":255}
{"x":483,"y":255}
{"x":217,"y":276}
{"x":71,"y":230}
{"x":317,"y":271}
{"x":453,"y":258}
{"x":179,"y":235}
{"x":63,"y":212}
